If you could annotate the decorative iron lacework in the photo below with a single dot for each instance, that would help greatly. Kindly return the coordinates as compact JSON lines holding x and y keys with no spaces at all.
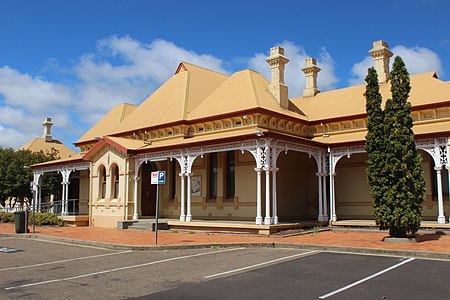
{"x":437,"y":148}
{"x":265,"y":152}
{"x":347,"y":151}
{"x":71,"y":167}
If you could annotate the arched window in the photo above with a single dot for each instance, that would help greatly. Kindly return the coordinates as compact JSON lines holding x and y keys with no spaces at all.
{"x":102,"y":180}
{"x":115,"y":181}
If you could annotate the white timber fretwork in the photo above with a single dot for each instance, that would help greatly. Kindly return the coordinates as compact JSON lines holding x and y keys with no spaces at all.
{"x":438,"y":149}
{"x":265,"y":152}
{"x":65,"y":171}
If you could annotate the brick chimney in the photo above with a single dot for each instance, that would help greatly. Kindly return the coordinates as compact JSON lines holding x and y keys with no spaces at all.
{"x":381,"y":55}
{"x":277,"y":87}
{"x":47,"y":130}
{"x":311,"y":70}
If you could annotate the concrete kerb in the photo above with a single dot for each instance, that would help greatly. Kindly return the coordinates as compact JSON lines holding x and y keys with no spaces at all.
{"x":325,"y":248}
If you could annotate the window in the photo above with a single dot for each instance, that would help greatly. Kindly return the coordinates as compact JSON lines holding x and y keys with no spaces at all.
{"x":212,"y":176}
{"x":115,"y":181}
{"x":102,"y":178}
{"x":230,"y":174}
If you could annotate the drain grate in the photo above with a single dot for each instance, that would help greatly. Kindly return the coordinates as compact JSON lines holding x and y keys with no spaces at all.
{"x":9,"y":250}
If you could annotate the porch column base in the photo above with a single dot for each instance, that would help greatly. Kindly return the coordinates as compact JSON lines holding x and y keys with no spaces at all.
{"x":267,"y":220}
{"x":441,"y":220}
{"x":182,"y":218}
{"x":275,"y":220}
{"x":258,"y":220}
{"x":188,"y":218}
{"x":135,"y":217}
{"x":322,"y":218}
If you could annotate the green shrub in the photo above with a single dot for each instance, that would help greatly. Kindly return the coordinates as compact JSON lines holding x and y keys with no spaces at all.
{"x":7,"y":217}
{"x":44,"y":219}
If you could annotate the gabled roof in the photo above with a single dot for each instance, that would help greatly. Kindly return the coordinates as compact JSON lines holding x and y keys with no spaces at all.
{"x":347,"y":102}
{"x":39,"y":144}
{"x":244,"y":90}
{"x":175,"y":99}
{"x":108,"y":123}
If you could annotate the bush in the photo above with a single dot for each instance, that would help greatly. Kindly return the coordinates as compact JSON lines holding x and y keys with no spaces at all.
{"x":43,"y":219}
{"x":6,"y":217}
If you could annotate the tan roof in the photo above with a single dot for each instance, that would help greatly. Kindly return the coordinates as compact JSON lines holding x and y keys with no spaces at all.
{"x":242,"y":91}
{"x":39,"y":144}
{"x":108,"y":123}
{"x":426,"y":89}
{"x":360,"y":136}
{"x":68,"y":160}
{"x":341,"y":137}
{"x":125,"y":144}
{"x":175,"y":99}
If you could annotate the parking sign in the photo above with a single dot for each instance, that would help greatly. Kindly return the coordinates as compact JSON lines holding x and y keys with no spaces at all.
{"x":158,"y":177}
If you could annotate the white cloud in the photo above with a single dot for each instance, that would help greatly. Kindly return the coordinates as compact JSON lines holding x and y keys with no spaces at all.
{"x":294,"y":77}
{"x":32,"y":92}
{"x":126,"y":70}
{"x":417,"y":60}
{"x":11,"y":137}
{"x":26,"y":102}
{"x":120,"y":70}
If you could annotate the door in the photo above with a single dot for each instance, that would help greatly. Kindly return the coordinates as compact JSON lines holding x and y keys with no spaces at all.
{"x":148,"y":191}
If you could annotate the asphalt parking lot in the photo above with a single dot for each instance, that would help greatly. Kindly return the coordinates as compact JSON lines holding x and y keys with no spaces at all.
{"x":48,"y":270}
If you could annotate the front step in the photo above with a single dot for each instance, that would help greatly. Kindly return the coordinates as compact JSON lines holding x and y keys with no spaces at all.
{"x":142,"y":225}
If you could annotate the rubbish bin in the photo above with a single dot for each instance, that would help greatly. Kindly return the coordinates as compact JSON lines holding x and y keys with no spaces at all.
{"x":21,"y":220}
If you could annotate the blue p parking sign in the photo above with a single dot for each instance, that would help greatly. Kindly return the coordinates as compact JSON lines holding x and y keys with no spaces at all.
{"x":158,"y":177}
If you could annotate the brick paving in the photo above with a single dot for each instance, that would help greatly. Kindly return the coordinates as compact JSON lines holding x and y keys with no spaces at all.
{"x":361,"y":239}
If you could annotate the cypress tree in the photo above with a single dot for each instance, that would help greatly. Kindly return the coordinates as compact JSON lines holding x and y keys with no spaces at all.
{"x":375,"y":147}
{"x":395,"y":167}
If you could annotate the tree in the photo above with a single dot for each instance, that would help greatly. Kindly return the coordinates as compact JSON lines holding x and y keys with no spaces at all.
{"x":395,"y":167}
{"x":15,"y":177}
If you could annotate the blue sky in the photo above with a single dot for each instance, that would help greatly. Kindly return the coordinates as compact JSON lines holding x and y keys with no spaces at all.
{"x":75,"y":60}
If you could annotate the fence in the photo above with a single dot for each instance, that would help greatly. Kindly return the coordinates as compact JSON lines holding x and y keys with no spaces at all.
{"x":55,"y":207}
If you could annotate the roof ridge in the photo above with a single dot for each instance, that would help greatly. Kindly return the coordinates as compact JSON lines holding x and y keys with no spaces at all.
{"x":203,"y":68}
{"x":252,"y":84}
{"x":186,"y":96}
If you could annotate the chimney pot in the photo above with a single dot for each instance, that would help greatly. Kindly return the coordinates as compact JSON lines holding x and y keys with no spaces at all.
{"x":277,"y":87}
{"x":381,"y":55}
{"x":310,"y":70}
{"x":47,"y":130}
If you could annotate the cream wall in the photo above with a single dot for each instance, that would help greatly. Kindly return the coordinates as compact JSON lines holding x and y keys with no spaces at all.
{"x":84,"y":193}
{"x":105,"y":212}
{"x":242,"y":207}
{"x":297,"y":187}
{"x":352,"y":189}
{"x":353,"y":200}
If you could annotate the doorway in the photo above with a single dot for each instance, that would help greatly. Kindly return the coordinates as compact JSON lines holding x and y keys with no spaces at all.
{"x":148,"y":190}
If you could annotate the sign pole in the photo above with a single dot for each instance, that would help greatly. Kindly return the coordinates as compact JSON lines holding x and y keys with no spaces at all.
{"x":158,"y":177}
{"x":156,"y":214}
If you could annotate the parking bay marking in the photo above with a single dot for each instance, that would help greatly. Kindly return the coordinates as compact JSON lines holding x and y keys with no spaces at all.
{"x":366,"y":279}
{"x":260,"y":264}
{"x":120,"y":269}
{"x":63,"y":261}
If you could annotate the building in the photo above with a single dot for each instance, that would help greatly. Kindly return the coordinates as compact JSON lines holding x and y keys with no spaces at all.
{"x":237,"y":148}
{"x":47,"y":144}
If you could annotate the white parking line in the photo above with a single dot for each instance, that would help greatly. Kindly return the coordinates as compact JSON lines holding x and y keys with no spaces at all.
{"x":63,"y":261}
{"x":260,"y":264}
{"x":70,"y":244}
{"x":120,"y":269}
{"x":366,"y":279}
